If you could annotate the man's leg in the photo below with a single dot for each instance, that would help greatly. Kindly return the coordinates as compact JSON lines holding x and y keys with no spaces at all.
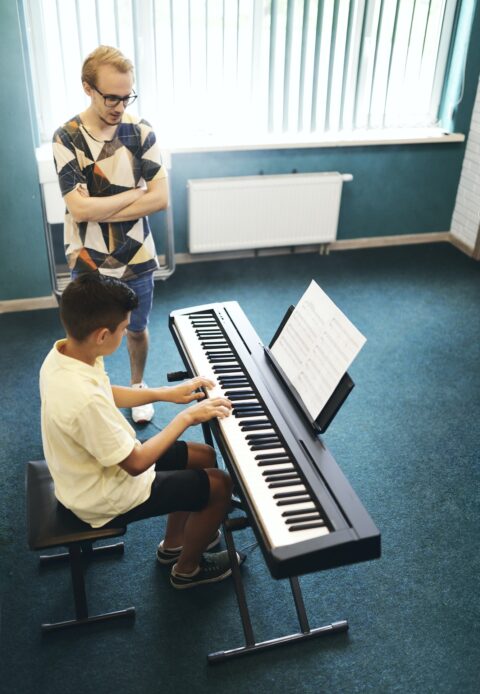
{"x":137,"y":340}
{"x":137,"y":344}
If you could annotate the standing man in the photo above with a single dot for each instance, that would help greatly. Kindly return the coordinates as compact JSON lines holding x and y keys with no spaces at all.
{"x":111,"y":177}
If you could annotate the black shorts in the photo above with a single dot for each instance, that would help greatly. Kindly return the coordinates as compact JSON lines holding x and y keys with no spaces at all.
{"x":173,"y":489}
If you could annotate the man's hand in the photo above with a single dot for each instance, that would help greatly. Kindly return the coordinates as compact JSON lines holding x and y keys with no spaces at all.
{"x":186,"y":392}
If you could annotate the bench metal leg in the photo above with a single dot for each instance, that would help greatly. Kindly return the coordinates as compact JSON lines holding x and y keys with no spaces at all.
{"x":77,"y":555}
{"x":87,"y":551}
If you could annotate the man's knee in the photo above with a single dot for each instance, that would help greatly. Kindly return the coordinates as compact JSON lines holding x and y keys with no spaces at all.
{"x":137,"y":335}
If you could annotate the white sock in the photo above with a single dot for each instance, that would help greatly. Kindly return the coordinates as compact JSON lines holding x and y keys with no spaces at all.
{"x":190,"y":575}
{"x":170,"y":549}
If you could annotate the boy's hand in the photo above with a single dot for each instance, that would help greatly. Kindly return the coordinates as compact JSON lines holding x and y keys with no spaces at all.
{"x":204,"y":411}
{"x":186,"y":392}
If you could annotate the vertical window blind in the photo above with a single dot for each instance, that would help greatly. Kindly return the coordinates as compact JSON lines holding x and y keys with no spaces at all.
{"x":250,"y":68}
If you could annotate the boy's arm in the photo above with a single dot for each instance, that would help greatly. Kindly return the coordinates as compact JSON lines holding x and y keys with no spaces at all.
{"x":144,"y":456}
{"x":182,"y":394}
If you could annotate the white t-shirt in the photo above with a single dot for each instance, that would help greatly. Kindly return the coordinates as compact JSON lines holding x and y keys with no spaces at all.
{"x":85,"y":436}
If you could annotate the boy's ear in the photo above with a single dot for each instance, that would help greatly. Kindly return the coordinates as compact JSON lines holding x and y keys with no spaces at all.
{"x":101,"y":334}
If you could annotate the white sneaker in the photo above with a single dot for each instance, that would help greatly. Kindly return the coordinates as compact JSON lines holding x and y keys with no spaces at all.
{"x":143,"y":413}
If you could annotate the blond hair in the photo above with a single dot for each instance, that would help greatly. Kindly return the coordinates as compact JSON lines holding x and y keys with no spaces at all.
{"x":104,"y":55}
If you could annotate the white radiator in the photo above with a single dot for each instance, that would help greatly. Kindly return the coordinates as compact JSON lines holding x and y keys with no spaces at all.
{"x":248,"y":212}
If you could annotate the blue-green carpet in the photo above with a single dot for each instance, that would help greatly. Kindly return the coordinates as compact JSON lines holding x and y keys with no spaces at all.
{"x":407,"y":438}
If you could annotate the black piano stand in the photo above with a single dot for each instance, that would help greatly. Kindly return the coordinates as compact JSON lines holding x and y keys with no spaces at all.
{"x":251,"y":646}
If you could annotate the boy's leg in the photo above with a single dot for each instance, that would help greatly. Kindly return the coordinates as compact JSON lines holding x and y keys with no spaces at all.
{"x":200,"y":457}
{"x":201,"y":526}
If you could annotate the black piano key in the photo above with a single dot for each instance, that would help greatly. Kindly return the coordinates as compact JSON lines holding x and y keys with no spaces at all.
{"x":208,"y":344}
{"x":279,"y":471}
{"x":222,"y":360}
{"x":280,"y":484}
{"x":266,"y":456}
{"x":237,"y":381}
{"x":259,"y":437}
{"x":307,"y":526}
{"x":290,"y":495}
{"x":282,"y":478}
{"x":225,"y":369}
{"x":253,"y":426}
{"x":211,"y":337}
{"x":291,"y":502}
{"x":267,"y":446}
{"x":247,"y":411}
{"x":306,"y":519}
{"x":298,"y":512}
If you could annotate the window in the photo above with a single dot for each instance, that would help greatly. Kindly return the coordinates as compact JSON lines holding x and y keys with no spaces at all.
{"x":250,"y":68}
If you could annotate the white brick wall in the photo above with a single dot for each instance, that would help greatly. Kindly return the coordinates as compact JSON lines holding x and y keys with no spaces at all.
{"x":466,"y":215}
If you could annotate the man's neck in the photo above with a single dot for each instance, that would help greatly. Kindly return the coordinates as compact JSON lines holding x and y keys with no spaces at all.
{"x":96,"y":126}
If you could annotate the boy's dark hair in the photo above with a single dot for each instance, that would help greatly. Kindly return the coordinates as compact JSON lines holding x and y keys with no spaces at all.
{"x":94,"y":301}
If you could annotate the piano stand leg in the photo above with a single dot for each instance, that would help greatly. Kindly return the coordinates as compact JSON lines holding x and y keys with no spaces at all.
{"x":251,"y":646}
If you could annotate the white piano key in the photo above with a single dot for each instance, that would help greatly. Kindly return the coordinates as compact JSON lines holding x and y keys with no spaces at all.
{"x":260,"y":495}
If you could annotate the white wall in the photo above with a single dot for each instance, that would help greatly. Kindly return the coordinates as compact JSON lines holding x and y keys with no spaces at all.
{"x":466,"y":215}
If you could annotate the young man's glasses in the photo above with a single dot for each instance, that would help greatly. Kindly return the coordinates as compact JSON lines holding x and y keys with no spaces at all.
{"x":112,"y":100}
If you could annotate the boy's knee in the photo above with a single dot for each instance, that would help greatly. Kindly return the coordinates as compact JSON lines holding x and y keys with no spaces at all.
{"x":220,"y":485}
{"x":201,"y":455}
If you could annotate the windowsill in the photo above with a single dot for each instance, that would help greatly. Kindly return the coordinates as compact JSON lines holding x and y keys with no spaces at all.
{"x":206,"y":143}
{"x":359,"y":138}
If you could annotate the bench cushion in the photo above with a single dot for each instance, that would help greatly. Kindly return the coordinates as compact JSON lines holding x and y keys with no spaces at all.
{"x":49,"y":523}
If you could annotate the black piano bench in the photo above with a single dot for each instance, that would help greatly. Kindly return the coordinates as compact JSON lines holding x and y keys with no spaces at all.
{"x":50,"y":525}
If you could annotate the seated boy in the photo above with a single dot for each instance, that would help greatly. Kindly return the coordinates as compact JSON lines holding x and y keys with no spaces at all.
{"x":102,"y":473}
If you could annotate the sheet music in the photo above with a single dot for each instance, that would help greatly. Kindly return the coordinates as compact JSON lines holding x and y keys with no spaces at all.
{"x":315,"y":348}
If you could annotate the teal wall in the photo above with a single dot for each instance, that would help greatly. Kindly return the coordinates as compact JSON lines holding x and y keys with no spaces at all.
{"x":23,"y":260}
{"x":395,"y":189}
{"x":406,"y":189}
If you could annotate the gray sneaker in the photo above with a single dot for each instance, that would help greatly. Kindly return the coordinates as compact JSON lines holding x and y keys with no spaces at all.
{"x":170,"y":556}
{"x":213,"y":568}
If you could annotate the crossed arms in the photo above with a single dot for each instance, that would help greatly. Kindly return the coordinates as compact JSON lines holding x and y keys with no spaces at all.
{"x":122,"y":207}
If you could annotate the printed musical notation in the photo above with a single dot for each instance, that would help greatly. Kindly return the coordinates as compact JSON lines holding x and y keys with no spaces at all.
{"x":315,"y":348}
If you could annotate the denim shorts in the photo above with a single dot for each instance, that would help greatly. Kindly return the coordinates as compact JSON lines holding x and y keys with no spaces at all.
{"x":143,"y":288}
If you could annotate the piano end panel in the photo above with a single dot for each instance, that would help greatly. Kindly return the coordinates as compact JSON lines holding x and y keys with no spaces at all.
{"x":284,"y":563}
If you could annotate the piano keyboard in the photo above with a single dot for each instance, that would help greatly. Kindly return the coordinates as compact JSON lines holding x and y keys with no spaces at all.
{"x":275,"y":486}
{"x":305,"y":514}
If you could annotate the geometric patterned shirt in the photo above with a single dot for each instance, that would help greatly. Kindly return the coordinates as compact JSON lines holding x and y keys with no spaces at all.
{"x":123,"y":250}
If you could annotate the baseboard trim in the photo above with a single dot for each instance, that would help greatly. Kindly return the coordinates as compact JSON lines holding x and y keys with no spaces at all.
{"x":462,"y":246}
{"x":340,"y":245}
{"x":34,"y":304}
{"x":384,"y":241}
